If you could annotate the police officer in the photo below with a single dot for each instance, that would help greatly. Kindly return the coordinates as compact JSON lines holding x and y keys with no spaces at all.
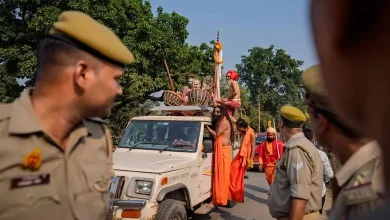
{"x":55,"y":157}
{"x":352,"y":39}
{"x":358,"y":186}
{"x":296,"y":190}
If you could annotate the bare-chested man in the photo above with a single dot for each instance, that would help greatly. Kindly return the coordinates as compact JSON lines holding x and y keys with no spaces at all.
{"x":233,"y":101}
{"x":223,"y":138}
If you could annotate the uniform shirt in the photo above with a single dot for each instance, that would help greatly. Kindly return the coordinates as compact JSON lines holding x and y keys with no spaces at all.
{"x":360,"y":183}
{"x":327,"y":171}
{"x":71,"y":183}
{"x":299,"y":175}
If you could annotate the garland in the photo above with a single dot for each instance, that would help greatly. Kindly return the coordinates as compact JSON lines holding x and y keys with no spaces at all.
{"x":218,"y":48}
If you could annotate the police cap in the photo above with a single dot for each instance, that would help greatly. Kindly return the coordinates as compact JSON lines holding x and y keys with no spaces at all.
{"x":85,"y":33}
{"x":316,"y":93}
{"x":292,"y":114}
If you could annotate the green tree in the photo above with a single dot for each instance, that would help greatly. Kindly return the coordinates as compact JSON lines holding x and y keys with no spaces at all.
{"x":274,"y":76}
{"x":150,"y":37}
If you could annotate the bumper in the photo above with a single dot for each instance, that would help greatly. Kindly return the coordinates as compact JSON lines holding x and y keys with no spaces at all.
{"x":138,"y":209}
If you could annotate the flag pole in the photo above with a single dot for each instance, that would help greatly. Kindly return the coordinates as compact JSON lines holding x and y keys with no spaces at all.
{"x":218,"y":66}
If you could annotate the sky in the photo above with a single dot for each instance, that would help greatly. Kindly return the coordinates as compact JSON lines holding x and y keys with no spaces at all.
{"x":244,"y":24}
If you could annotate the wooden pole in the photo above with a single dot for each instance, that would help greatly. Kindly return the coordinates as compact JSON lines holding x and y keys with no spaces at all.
{"x":169,"y":76}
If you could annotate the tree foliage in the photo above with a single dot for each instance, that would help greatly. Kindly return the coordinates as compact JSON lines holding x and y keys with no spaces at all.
{"x":151,"y":37}
{"x":275,"y":77}
{"x":268,"y":72}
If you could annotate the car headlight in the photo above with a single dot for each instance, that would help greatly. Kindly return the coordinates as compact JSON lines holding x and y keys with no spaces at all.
{"x":143,"y":187}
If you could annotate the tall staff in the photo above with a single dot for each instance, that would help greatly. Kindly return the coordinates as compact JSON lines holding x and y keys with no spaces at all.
{"x":218,"y":66}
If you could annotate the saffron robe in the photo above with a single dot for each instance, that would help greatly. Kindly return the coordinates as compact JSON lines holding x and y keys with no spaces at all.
{"x":237,"y":171}
{"x":221,"y":171}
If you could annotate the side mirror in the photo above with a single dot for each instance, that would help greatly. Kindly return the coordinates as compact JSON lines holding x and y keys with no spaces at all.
{"x":208,"y":146}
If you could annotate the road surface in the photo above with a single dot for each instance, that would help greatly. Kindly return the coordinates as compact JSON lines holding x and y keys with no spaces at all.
{"x":255,"y":206}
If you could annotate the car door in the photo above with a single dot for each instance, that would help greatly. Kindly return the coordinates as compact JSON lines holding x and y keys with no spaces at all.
{"x":206,"y":166}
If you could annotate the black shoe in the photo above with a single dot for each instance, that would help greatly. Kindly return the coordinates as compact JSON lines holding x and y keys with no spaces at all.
{"x":246,"y":177}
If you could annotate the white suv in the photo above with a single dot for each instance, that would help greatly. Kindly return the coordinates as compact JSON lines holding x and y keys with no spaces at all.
{"x":163,"y":166}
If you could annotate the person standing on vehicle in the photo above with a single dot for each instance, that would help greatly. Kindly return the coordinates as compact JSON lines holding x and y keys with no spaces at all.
{"x":57,"y":160}
{"x":327,"y":171}
{"x":296,"y":190}
{"x":358,"y":186}
{"x":242,"y":160}
{"x":223,"y":138}
{"x":269,"y":152}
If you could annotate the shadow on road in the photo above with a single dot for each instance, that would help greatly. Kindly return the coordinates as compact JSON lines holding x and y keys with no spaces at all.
{"x":222,"y":214}
{"x":255,"y":198}
{"x":256,"y":188}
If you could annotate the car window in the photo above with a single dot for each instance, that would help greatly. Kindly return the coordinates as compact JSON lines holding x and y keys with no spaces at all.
{"x":161,"y":135}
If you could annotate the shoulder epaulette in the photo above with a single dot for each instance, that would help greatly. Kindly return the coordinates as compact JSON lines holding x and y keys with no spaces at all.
{"x":305,"y":151}
{"x":5,"y":111}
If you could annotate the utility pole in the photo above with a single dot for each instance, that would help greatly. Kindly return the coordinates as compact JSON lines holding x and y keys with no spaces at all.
{"x":259,"y":113}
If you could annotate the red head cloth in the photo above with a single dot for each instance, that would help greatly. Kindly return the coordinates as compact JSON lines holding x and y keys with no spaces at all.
{"x":233,"y":75}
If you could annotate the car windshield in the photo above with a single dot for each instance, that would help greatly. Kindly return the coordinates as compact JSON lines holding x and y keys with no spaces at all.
{"x":161,"y":136}
{"x":260,"y":138}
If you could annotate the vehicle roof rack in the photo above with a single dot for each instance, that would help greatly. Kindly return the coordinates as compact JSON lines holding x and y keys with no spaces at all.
{"x":188,"y":108}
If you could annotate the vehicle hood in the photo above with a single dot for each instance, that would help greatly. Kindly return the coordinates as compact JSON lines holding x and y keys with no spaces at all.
{"x":149,"y":161}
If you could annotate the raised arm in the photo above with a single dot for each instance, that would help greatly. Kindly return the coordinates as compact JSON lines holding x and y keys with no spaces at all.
{"x":220,"y":129}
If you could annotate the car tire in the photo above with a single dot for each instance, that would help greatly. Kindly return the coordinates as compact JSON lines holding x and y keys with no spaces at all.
{"x":171,"y":209}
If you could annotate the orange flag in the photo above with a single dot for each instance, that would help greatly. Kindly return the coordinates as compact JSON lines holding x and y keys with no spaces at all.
{"x":237,"y":171}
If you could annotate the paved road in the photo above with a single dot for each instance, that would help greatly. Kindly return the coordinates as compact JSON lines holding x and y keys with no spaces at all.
{"x":255,"y":206}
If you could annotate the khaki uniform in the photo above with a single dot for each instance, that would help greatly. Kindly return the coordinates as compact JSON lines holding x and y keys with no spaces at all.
{"x":69,"y":184}
{"x":38,"y":178}
{"x":299,"y":175}
{"x":358,"y":186}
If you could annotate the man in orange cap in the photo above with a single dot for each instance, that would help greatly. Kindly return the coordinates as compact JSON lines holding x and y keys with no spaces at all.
{"x":233,"y":101}
{"x":269,"y":153}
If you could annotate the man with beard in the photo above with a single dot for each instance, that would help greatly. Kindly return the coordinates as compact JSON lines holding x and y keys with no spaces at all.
{"x":269,"y":153}
{"x":223,"y":136}
{"x":57,"y":160}
{"x":233,"y":101}
{"x":241,"y":160}
{"x":296,"y":190}
{"x":358,"y":186}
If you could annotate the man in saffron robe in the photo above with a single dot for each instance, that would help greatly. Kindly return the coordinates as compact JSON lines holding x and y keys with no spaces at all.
{"x":269,"y":153}
{"x":241,"y":160}
{"x":223,"y":137}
